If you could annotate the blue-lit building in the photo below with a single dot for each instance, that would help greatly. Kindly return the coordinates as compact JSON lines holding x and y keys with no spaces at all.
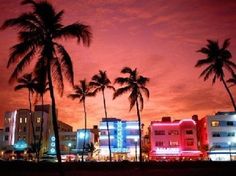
{"x":81,"y":135}
{"x":124,"y":139}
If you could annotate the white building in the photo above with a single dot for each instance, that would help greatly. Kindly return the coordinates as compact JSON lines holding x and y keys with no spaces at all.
{"x":124,"y":139}
{"x":218,"y":135}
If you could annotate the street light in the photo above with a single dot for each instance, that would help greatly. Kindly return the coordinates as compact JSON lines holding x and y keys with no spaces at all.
{"x":135,"y":141}
{"x":69,"y":146}
{"x":229,"y":143}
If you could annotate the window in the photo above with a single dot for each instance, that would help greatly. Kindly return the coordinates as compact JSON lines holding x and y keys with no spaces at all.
{"x":173,"y":132}
{"x":231,"y":134}
{"x":25,"y":119}
{"x":104,"y":132}
{"x":38,"y":120}
{"x":230,"y":123}
{"x":215,"y":123}
{"x":37,"y":129}
{"x":173,"y":143}
{"x":6,"y":138}
{"x":21,"y":120}
{"x":215,"y":134}
{"x":159,"y":143}
{"x":7,"y":129}
{"x":24,"y":129}
{"x":189,"y":142}
{"x":159,"y":132}
{"x":189,"y":131}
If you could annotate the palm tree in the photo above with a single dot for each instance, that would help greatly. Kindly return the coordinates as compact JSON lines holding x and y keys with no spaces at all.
{"x":100,"y":82}
{"x":232,"y":80}
{"x":39,"y":32}
{"x":217,"y":59}
{"x":136,"y":85}
{"x":41,"y":88}
{"x":28,"y":82}
{"x":81,"y":92}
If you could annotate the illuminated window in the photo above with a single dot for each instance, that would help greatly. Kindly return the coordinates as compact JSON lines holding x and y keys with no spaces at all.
{"x":189,"y":131}
{"x":174,"y":143}
{"x":38,"y":120}
{"x":21,"y":120}
{"x":159,"y":143}
{"x":25,"y":119}
{"x":189,"y":142}
{"x":159,"y":132}
{"x":215,"y":123}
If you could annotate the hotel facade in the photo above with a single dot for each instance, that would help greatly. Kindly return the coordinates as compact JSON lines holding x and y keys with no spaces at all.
{"x":173,"y":140}
{"x":124,"y":139}
{"x":217,"y":135}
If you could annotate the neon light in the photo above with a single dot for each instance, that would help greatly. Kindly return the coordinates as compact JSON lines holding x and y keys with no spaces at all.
{"x":104,"y":127}
{"x":167,"y":150}
{"x":20,"y":145}
{"x":132,"y":137}
{"x":132,"y":127}
{"x":173,"y":123}
{"x":106,"y":137}
{"x":14,"y":128}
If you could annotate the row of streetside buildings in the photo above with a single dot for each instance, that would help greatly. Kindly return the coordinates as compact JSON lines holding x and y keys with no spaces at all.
{"x":212,"y":137}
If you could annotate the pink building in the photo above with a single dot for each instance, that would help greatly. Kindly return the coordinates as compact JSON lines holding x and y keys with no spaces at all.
{"x":173,"y":140}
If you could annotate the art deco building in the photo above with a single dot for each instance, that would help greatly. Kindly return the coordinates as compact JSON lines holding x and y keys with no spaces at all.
{"x":217,"y":134}
{"x":124,"y":139}
{"x":173,"y":140}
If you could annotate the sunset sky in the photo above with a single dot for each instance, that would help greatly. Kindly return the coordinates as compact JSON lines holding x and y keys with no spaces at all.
{"x":158,"y":37}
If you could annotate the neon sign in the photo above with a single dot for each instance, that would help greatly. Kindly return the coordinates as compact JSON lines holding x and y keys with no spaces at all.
{"x":167,"y":150}
{"x":20,"y":145}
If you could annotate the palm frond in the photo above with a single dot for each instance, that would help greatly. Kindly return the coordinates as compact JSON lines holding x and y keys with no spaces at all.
{"x":126,"y":70}
{"x":66,"y":63}
{"x":145,"y":90}
{"x":21,"y":65}
{"x":80,"y":31}
{"x":122,"y":81}
{"x":142,"y":80}
{"x":121,"y":91}
{"x":57,"y":76}
{"x":133,"y":97}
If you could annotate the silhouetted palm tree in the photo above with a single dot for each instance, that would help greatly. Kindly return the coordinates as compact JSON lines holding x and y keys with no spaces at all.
{"x":28,"y":82}
{"x":217,"y":59}
{"x":135,"y":84}
{"x":232,"y":80}
{"x":41,"y":88}
{"x":100,"y":82}
{"x":81,"y":92}
{"x":39,"y":34}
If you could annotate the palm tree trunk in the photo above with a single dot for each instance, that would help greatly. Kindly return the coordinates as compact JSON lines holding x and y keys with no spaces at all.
{"x":108,"y":132}
{"x":32,"y":124}
{"x":230,"y":95}
{"x":54,"y":117}
{"x":140,"y":132}
{"x":85,"y":128}
{"x":41,"y":127}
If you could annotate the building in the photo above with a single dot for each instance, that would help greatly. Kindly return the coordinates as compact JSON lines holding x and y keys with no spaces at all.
{"x":18,"y":130}
{"x":217,"y":134}
{"x":173,"y":140}
{"x":124,"y":139}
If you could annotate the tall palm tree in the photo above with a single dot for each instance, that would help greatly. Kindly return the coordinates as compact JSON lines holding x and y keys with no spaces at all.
{"x":41,"y":88}
{"x":81,"y":92}
{"x":39,"y":32}
{"x":136,"y":85}
{"x":100,"y":82}
{"x":216,"y":61}
{"x":232,"y":80}
{"x":28,"y":82}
